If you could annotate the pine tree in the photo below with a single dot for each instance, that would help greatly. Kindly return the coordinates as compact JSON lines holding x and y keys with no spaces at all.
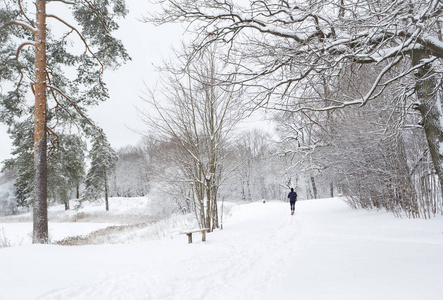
{"x":103,"y":161}
{"x":22,"y":163}
{"x":66,"y":164}
{"x":75,"y":162}
{"x":66,"y":168}
{"x":33,"y":59}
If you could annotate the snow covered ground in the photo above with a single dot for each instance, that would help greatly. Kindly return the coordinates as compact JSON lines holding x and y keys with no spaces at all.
{"x":325,"y":251}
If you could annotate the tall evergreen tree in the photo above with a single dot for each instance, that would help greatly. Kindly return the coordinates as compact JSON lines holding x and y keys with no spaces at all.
{"x":22,"y":142}
{"x":103,"y":161}
{"x":66,"y":168}
{"x":66,"y":164}
{"x":31,"y":55}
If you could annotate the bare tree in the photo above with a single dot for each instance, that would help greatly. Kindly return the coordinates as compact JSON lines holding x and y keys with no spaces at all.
{"x":130,"y":178}
{"x":284,"y":45}
{"x":371,"y":153}
{"x":257,"y":171}
{"x":196,"y":112}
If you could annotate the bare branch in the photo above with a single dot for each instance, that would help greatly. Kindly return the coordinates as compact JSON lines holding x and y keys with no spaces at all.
{"x":23,"y":12}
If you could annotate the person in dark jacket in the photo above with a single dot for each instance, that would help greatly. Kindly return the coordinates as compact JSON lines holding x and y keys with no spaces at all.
{"x":292,"y":198}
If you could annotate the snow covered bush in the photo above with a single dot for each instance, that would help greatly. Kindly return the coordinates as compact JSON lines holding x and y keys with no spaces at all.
{"x":4,"y":241}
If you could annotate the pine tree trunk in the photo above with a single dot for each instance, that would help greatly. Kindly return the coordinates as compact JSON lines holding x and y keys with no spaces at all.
{"x":431,"y":110}
{"x":106,"y":191}
{"x":40,"y":217}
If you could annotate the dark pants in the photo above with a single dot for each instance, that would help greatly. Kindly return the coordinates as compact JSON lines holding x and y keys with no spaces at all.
{"x":292,"y":205}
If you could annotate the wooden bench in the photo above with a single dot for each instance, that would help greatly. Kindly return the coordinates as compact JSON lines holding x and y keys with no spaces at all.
{"x":203,"y":231}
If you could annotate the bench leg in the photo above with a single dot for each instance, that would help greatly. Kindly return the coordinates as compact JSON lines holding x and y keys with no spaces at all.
{"x":203,"y":236}
{"x":189,"y":238}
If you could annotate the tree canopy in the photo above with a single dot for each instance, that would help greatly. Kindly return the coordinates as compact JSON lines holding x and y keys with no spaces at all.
{"x":294,"y":54}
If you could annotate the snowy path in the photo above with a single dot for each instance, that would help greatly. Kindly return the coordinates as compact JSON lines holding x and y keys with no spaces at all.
{"x":325,"y":251}
{"x":364,"y":255}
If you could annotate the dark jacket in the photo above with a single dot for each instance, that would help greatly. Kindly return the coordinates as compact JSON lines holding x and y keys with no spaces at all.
{"x":292,"y":196}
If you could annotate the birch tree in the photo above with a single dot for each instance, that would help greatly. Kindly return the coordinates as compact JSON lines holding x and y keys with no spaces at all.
{"x":285,"y":44}
{"x":56,"y":50}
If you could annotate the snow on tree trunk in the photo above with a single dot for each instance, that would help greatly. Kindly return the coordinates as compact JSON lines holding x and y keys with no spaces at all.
{"x":208,"y":208}
{"x":431,"y":111}
{"x":106,"y":190}
{"x":40,"y":230}
{"x":314,"y":187}
{"x":430,"y":107}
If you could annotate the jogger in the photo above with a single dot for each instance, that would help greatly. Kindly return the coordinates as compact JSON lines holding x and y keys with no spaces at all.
{"x":292,"y":199}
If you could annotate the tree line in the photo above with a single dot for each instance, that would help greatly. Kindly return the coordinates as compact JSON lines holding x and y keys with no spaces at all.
{"x":76,"y":173}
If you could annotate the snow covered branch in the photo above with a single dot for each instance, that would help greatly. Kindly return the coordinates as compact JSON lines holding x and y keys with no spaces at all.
{"x":63,"y":1}
{"x":72,"y":102}
{"x":21,"y":47}
{"x":87,"y":48}
{"x":21,"y":24}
